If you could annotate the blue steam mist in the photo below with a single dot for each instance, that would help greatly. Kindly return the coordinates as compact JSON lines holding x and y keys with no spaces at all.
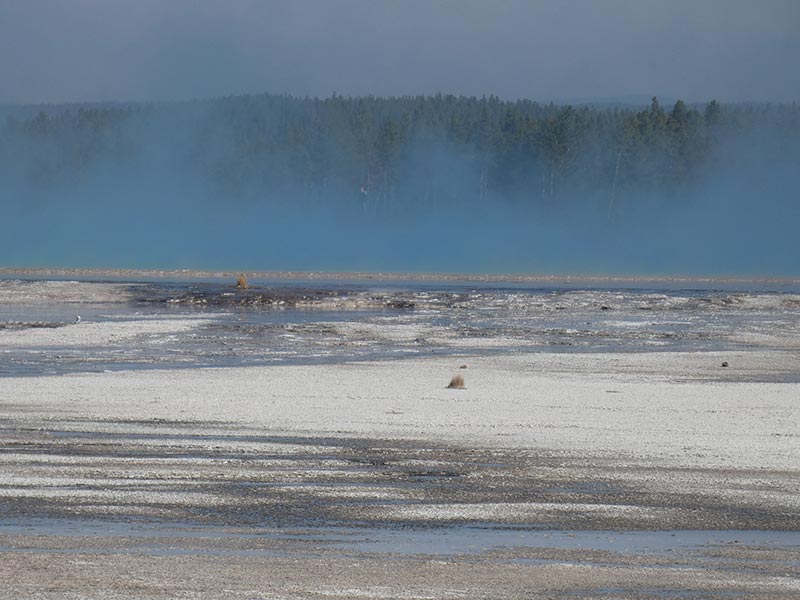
{"x":156,"y":211}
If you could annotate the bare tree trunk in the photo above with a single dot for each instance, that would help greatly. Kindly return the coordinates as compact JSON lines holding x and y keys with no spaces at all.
{"x":482,"y":186}
{"x":544,"y":185}
{"x":614,"y":184}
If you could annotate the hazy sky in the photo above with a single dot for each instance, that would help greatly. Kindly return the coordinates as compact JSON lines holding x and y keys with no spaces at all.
{"x":76,"y":50}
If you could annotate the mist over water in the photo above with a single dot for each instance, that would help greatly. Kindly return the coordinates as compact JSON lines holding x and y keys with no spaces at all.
{"x":157,"y":200}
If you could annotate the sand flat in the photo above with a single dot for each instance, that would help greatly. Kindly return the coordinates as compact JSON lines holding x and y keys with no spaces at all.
{"x":653,"y":406}
{"x":277,"y":464}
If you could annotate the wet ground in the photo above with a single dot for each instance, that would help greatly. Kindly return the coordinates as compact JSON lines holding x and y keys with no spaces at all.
{"x":259,"y":504}
{"x":336,"y":321}
{"x":193,"y":496}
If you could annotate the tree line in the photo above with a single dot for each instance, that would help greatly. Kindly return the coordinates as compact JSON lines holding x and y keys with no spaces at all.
{"x":394,"y":153}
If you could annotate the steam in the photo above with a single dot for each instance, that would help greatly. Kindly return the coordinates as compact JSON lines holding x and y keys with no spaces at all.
{"x":157,"y":197}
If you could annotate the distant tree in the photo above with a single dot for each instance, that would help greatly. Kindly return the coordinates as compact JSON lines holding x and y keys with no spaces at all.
{"x":680,"y":113}
{"x":712,"y":114}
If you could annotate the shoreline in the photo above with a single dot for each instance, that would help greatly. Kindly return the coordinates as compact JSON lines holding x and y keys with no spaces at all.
{"x":567,"y":279}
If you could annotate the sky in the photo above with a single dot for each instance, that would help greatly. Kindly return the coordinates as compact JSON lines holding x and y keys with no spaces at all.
{"x":55,"y":51}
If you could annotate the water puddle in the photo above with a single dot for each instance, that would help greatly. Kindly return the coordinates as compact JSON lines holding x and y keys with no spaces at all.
{"x":478,"y":539}
{"x":159,"y":539}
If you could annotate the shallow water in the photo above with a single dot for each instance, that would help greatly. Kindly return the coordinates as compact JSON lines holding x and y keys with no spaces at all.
{"x":174,"y":538}
{"x":333,"y":321}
